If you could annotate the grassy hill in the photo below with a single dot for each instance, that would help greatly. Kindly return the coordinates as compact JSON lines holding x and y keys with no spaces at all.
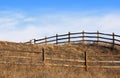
{"x":61,"y":61}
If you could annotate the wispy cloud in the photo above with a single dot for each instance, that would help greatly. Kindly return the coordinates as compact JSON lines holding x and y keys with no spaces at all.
{"x":21,"y":27}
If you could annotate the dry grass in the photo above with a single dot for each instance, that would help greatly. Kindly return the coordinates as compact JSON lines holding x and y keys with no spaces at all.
{"x":66,"y":51}
{"x":28,"y":71}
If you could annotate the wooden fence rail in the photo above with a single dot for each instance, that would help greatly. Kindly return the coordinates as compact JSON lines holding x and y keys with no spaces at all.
{"x":86,"y":63}
{"x":43,"y":59}
{"x":83,"y":36}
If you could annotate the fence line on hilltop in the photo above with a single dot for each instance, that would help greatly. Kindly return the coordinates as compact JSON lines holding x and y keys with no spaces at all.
{"x":83,"y":36}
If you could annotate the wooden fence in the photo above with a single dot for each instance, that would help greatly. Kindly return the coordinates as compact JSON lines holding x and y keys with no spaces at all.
{"x":42,"y":58}
{"x":79,"y":37}
{"x":86,"y":61}
{"x":20,"y":57}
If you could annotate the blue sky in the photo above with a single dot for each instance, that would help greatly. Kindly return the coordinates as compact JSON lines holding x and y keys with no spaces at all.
{"x":60,"y":4}
{"x":22,"y":20}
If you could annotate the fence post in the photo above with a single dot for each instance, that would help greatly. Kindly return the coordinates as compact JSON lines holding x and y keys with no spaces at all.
{"x":34,"y":41}
{"x":30,"y":41}
{"x":56,"y":38}
{"x":68,"y":37}
{"x":113,"y":44}
{"x":45,"y":40}
{"x":43,"y":56}
{"x":83,"y":37}
{"x":86,"y":62}
{"x":97,"y":37}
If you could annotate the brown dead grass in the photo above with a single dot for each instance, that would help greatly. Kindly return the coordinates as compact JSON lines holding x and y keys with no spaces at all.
{"x":31,"y":71}
{"x":66,"y":51}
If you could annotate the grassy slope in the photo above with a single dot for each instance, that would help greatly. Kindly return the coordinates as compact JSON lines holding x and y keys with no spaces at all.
{"x":66,"y":51}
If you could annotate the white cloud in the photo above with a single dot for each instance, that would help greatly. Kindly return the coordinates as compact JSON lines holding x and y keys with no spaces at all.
{"x":19,"y":27}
